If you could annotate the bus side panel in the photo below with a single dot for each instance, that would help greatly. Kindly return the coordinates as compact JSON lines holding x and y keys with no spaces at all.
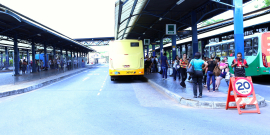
{"x":265,"y":48}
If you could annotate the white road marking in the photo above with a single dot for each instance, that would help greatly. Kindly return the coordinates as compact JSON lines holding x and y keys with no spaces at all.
{"x":100,"y":90}
{"x":101,"y":86}
{"x":98,"y":93}
{"x":85,"y":78}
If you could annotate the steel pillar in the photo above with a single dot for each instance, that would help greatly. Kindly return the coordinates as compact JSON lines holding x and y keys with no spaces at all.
{"x":153,"y":50}
{"x":238,"y":27}
{"x":202,"y":47}
{"x":194,"y":33}
{"x":33,"y":57}
{"x":7,"y":58}
{"x":173,"y":46}
{"x":16,"y":55}
{"x":147,"y":51}
{"x":54,"y":53}
{"x":45,"y":55}
{"x":27,"y":56}
{"x":161,"y":46}
{"x":66,"y":53}
{"x":61,"y":50}
{"x":71,"y":53}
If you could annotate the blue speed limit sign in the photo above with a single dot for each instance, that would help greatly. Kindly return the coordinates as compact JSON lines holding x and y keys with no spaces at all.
{"x":243,"y":87}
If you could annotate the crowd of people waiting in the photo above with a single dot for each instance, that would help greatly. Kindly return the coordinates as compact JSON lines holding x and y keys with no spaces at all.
{"x":207,"y":70}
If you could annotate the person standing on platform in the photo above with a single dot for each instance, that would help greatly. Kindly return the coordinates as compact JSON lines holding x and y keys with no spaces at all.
{"x":164,"y":66}
{"x":183,"y":69}
{"x":198,"y":75}
{"x":210,"y":75}
{"x":239,"y":66}
{"x":176,"y":67}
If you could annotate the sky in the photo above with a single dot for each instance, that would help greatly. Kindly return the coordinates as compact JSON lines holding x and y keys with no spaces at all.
{"x":81,"y":18}
{"x":73,"y":18}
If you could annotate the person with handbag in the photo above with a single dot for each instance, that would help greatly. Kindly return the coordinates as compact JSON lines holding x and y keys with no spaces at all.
{"x":210,"y":73}
{"x":183,"y":69}
{"x":176,"y":68}
{"x":164,"y":65}
{"x":197,"y":74}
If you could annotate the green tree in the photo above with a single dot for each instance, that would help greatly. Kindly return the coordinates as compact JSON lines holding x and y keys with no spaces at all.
{"x":210,"y":21}
{"x":265,"y":3}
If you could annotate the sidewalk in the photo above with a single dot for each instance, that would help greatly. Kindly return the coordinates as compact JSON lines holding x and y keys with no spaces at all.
{"x":9,"y":89}
{"x":212,"y":100}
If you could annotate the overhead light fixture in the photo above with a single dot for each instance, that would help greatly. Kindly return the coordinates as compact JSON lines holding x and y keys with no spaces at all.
{"x":179,"y":2}
{"x":39,"y":34}
{"x":150,"y":26}
{"x":160,"y":19}
{"x":143,"y":33}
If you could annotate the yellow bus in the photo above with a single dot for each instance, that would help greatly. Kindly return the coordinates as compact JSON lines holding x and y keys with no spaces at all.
{"x":126,"y":58}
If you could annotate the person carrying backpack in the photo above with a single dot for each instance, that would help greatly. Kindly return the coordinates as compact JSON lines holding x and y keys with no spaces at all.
{"x":239,"y":66}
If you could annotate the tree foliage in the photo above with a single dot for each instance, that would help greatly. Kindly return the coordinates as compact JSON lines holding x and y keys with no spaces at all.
{"x":265,"y":3}
{"x":211,"y":21}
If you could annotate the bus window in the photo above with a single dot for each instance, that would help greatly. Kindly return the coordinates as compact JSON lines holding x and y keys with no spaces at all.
{"x":206,"y":52}
{"x":255,"y":46}
{"x":248,"y":47}
{"x":212,"y":51}
{"x":224,"y":50}
{"x":231,"y":49}
{"x":134,"y":44}
{"x":218,"y":50}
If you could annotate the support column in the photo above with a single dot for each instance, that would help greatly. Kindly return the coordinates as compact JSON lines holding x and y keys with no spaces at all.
{"x":54,"y":51}
{"x":71,"y":53}
{"x":27,"y":57}
{"x":33,"y":57}
{"x":61,"y":50}
{"x":194,"y":33}
{"x":173,"y":46}
{"x":181,"y":54}
{"x":238,"y":27}
{"x":7,"y":58}
{"x":16,"y":55}
{"x":154,"y":50}
{"x":147,"y":51}
{"x":66,"y":53}
{"x":161,"y":46}
{"x":77,"y":54}
{"x":45,"y":55}
{"x":203,"y":46}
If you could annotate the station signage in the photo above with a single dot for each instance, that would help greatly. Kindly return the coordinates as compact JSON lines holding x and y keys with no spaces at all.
{"x":146,"y":42}
{"x":171,"y":29}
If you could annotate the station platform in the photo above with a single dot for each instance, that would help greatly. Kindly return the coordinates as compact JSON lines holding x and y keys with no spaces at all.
{"x":211,"y":100}
{"x":13,"y":85}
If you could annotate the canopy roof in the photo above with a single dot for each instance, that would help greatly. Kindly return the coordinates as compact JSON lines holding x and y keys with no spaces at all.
{"x":29,"y":31}
{"x":147,"y":18}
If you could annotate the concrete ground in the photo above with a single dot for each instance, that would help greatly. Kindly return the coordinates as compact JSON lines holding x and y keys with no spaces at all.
{"x":89,"y":103}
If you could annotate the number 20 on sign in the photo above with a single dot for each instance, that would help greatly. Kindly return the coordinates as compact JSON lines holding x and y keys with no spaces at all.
{"x":243,"y":87}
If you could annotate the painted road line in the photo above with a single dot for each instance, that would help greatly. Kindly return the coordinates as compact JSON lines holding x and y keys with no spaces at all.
{"x":98,"y":93}
{"x":85,"y":78}
{"x":100,"y":90}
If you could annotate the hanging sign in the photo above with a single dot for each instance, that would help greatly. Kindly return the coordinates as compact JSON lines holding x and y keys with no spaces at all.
{"x":171,"y":29}
{"x":146,"y":41}
{"x":242,"y":88}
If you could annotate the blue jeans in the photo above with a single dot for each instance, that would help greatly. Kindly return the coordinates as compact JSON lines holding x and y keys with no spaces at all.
{"x":164,"y":72}
{"x":153,"y":68}
{"x":175,"y":73}
{"x":210,"y":75}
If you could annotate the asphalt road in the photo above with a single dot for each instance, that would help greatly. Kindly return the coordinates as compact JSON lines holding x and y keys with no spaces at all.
{"x":89,"y":103}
